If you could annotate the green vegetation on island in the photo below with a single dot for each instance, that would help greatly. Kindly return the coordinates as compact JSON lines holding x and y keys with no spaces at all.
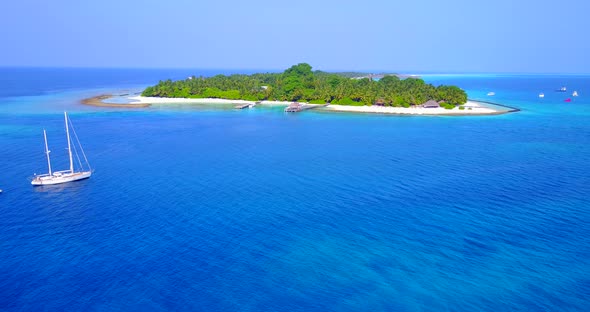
{"x":300,"y":83}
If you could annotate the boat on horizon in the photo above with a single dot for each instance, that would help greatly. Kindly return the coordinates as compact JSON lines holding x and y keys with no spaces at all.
{"x":491,"y":93}
{"x":63,"y":176}
{"x":541,"y":95}
{"x":575,"y":93}
{"x":562,"y":89}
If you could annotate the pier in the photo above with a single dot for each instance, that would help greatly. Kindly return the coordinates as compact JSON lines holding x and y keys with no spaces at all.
{"x":296,"y":107}
{"x":247,"y":105}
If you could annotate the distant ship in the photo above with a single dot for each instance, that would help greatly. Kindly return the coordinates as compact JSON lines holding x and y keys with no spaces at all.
{"x":575,"y":93}
{"x":541,"y":95}
{"x":562,"y":89}
{"x":491,"y":93}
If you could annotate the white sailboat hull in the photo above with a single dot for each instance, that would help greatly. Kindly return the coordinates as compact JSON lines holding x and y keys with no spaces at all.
{"x":60,"y":177}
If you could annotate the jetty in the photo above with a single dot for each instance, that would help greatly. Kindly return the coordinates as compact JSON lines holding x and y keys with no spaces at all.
{"x":296,"y":107}
{"x":247,"y":105}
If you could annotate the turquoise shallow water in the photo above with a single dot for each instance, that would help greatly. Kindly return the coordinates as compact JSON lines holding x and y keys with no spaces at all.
{"x":202,"y":208}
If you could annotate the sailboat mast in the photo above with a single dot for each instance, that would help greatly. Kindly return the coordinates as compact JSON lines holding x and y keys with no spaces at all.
{"x":47,"y":151}
{"x":69,"y":144}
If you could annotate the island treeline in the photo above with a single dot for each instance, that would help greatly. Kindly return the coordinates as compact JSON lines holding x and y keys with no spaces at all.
{"x":300,"y":83}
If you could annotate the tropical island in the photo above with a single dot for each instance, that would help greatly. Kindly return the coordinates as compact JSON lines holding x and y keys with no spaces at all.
{"x":299,"y":88}
{"x":300,"y":84}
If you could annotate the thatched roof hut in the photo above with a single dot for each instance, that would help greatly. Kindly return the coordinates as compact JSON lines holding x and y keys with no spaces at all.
{"x":431,"y":104}
{"x":294,"y":107}
{"x":380,"y":102}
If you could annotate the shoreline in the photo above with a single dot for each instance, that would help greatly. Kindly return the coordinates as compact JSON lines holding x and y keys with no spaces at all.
{"x":99,"y":101}
{"x":472,"y":108}
{"x":138,"y":99}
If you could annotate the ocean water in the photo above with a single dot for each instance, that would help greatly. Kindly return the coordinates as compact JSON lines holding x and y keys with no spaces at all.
{"x":201,"y":208}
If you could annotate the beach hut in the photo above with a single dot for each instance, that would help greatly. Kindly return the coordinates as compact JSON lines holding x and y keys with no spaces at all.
{"x":294,"y":107}
{"x":380,"y":102}
{"x":431,"y":104}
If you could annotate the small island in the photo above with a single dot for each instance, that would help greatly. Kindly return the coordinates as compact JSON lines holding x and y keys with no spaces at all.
{"x":342,"y":92}
{"x":300,"y":84}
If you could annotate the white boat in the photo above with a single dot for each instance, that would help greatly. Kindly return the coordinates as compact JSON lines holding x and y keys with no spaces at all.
{"x":541,"y":95}
{"x":562,"y":89}
{"x":69,"y":175}
{"x":575,"y":93}
{"x":491,"y":93}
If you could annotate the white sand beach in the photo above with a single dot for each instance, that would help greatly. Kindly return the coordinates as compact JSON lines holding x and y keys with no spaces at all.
{"x":158,"y":100}
{"x":471,"y":107}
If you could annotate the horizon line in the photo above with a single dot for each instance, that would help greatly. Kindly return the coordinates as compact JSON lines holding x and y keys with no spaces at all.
{"x":404,"y":72}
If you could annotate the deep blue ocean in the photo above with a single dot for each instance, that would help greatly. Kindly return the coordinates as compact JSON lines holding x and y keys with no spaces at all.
{"x":203,"y":208}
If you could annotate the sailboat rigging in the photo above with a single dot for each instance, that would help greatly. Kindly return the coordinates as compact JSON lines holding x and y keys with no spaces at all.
{"x":69,"y":175}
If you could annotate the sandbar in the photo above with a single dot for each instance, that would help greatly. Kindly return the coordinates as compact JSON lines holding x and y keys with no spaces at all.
{"x":99,"y":101}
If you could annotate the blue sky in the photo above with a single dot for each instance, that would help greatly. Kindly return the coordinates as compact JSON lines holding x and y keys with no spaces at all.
{"x":406,"y":36}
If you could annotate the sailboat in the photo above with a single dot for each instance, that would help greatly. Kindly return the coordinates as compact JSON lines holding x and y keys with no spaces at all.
{"x":69,"y":175}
